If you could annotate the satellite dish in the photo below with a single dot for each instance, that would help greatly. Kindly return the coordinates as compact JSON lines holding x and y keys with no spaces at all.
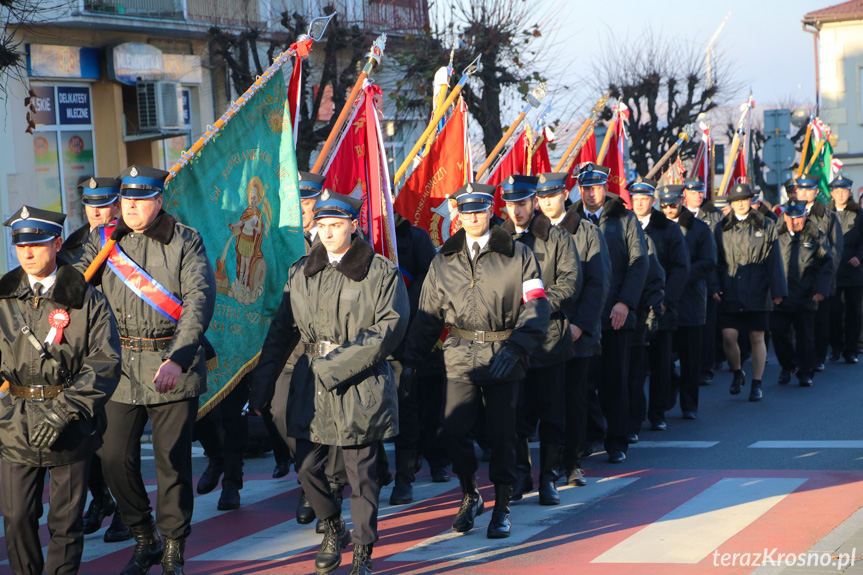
{"x":799,"y":117}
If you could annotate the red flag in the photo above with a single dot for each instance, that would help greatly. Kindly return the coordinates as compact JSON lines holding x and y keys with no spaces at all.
{"x":358,"y":168}
{"x":513,"y":163}
{"x":446,"y":168}
{"x":295,"y":90}
{"x":614,"y":161}
{"x":539,"y":161}
{"x":586,"y":154}
{"x":738,"y":171}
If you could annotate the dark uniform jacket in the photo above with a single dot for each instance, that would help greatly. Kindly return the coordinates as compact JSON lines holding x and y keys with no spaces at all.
{"x":851,"y":221}
{"x":628,"y":252}
{"x":348,"y":396}
{"x":750,"y":265}
{"x":487,"y":295}
{"x":692,"y":309}
{"x":808,"y":267}
{"x":828,"y":222}
{"x":559,"y":267}
{"x":649,"y":311}
{"x":73,"y":247}
{"x":89,"y":350}
{"x":595,"y":271}
{"x":174,"y":255}
{"x":673,"y":254}
{"x":767,"y":212}
{"x":708,"y":213}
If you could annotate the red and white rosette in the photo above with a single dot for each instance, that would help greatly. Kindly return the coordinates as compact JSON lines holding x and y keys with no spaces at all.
{"x":57,"y":319}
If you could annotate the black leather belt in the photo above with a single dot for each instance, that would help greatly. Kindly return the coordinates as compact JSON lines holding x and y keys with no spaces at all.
{"x":477,"y":336}
{"x":35,"y":392}
{"x":319,"y":349}
{"x":145,"y":343}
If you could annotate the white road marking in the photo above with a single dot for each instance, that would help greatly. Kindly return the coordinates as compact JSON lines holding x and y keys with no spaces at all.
{"x":808,"y":444}
{"x":674,"y":444}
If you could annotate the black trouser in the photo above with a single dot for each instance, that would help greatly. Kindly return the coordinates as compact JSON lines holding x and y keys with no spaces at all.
{"x":360,"y":465}
{"x":613,"y":387}
{"x":541,"y":398}
{"x":430,"y":397}
{"x":409,"y":422}
{"x":822,"y":331}
{"x":223,"y":433}
{"x":635,"y":380}
{"x":793,"y":334}
{"x":96,"y":481}
{"x":463,"y":401}
{"x":688,"y":340}
{"x":577,"y":402}
{"x":659,"y":360}
{"x":708,"y":338}
{"x":173,"y":425}
{"x":21,"y":503}
{"x":595,"y":418}
{"x":846,"y":316}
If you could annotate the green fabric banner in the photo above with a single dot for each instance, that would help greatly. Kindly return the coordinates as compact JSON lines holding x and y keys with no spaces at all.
{"x":821,"y":170}
{"x":241,"y":193}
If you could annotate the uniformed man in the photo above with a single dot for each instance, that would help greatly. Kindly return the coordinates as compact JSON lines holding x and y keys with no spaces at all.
{"x":101,"y":199}
{"x":311,"y":188}
{"x":487,"y":288}
{"x":692,"y":310}
{"x":673,"y":254}
{"x":723,"y":204}
{"x":584,"y":315}
{"x":759,"y":204}
{"x":349,"y":308}
{"x":751,"y":274}
{"x":809,"y":273}
{"x":629,"y":266}
{"x":828,"y":222}
{"x":61,"y":356}
{"x":164,"y":363}
{"x":790,"y":186}
{"x":845,"y":306}
{"x":542,"y":395}
{"x":694,"y":200}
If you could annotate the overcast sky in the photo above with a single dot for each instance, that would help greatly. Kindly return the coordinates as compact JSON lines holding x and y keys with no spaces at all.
{"x":763,"y":39}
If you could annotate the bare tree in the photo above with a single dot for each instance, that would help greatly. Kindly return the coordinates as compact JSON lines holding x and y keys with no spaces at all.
{"x":663,"y":83}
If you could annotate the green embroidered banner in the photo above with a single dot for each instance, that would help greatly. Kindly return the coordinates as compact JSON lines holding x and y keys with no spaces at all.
{"x":240,"y":191}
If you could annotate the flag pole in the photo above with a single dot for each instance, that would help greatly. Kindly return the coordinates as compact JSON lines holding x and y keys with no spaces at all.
{"x":735,"y":146}
{"x":818,"y":147}
{"x":468,"y":72}
{"x":578,"y":140}
{"x":606,"y":141}
{"x":805,"y":148}
{"x":684,"y":136}
{"x":373,"y":59}
{"x":533,"y":100}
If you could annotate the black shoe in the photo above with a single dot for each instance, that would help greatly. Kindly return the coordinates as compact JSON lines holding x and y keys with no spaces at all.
{"x":439,"y":475}
{"x":804,"y":381}
{"x":523,"y":484}
{"x":99,"y":509}
{"x":549,"y":459}
{"x":850,"y":358}
{"x":117,"y":531}
{"x":336,"y":538}
{"x":785,"y":377}
{"x":690,"y":415}
{"x":632,"y":438}
{"x":210,"y":477}
{"x":148,"y":550}
{"x":705,"y":379}
{"x":499,"y":526}
{"x":362,"y":563}
{"x":616,"y":456}
{"x":471,"y":505}
{"x":820,"y":367}
{"x":575,"y":478}
{"x":737,"y":382}
{"x":230,"y":497}
{"x":755,"y":392}
{"x":403,"y":491}
{"x":834,"y":356}
{"x":281,"y":469}
{"x":305,"y":513}
{"x":659,"y":426}
{"x":172,"y":560}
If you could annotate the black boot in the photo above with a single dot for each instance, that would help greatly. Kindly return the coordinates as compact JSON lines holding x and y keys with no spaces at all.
{"x":549,"y":459}
{"x":172,"y":560}
{"x":755,"y":391}
{"x":305,"y":513}
{"x":403,"y":491}
{"x":148,"y":549}
{"x":336,"y":538}
{"x":737,"y":382}
{"x":210,"y":477}
{"x":118,"y":531}
{"x":471,"y":505}
{"x":523,"y":478}
{"x":232,"y":482}
{"x":230,"y":497}
{"x":362,"y":564}
{"x":499,"y":526}
{"x":338,"y":493}
{"x":101,"y":507}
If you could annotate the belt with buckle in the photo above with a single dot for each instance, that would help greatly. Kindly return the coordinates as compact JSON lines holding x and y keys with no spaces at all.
{"x":145,"y":343}
{"x":35,"y":392}
{"x":320,"y":348}
{"x":478,"y":336}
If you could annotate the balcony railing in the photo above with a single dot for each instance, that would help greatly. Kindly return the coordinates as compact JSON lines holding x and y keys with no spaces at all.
{"x":393,"y":16}
{"x":224,"y":12}
{"x":210,"y":12}
{"x":162,"y":9}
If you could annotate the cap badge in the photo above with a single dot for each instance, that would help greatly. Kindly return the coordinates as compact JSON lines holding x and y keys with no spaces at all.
{"x":134,"y":172}
{"x":25,"y":213}
{"x":93,"y":184}
{"x":326,"y":195}
{"x":469,"y":189}
{"x":510,"y":180}
{"x":542,"y":179}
